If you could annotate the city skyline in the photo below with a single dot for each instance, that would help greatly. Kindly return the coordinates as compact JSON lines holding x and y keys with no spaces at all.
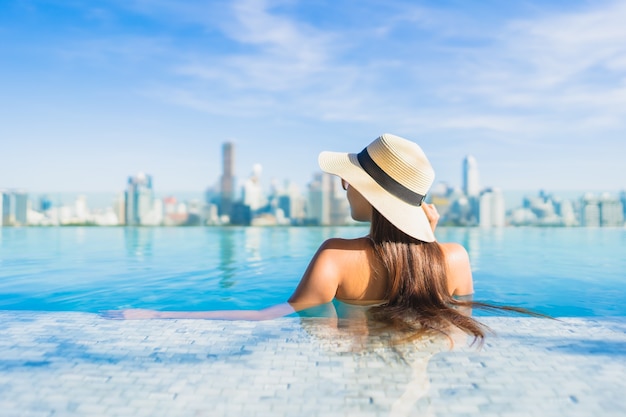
{"x":93,"y":93}
{"x":322,"y":203}
{"x":468,"y":182}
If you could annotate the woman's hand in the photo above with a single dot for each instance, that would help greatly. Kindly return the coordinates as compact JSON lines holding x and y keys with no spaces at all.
{"x":431,"y":214}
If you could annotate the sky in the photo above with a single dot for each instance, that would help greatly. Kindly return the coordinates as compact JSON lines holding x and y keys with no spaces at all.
{"x":92,"y":92}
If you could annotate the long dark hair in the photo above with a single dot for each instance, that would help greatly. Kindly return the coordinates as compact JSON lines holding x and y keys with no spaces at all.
{"x":418,"y":299}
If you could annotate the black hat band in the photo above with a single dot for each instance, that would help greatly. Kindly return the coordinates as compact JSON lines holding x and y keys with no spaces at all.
{"x":387,"y":182}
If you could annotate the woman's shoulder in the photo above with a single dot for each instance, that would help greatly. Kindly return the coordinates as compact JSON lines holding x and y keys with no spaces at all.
{"x":338,"y":243}
{"x":454,"y":251}
{"x":344,"y":255}
{"x":459,"y":269}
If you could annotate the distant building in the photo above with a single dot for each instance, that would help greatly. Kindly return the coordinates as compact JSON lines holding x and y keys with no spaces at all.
{"x":491,"y":208}
{"x":471,"y":189}
{"x":284,"y":203}
{"x":567,"y":213}
{"x":611,"y":211}
{"x":119,"y":207}
{"x":195,"y":210}
{"x":320,"y":198}
{"x":589,"y":211}
{"x":227,"y":182}
{"x":327,"y":204}
{"x":211,"y":215}
{"x":174,"y":213}
{"x":139,"y":199}
{"x":296,"y":210}
{"x":13,"y":208}
{"x":459,"y":212}
{"x":252,"y":191}
{"x":81,"y":211}
{"x":339,"y":206}
{"x":545,"y":209}
{"x":241,"y":215}
{"x":4,"y":208}
{"x":45,"y":203}
{"x":471,"y":182}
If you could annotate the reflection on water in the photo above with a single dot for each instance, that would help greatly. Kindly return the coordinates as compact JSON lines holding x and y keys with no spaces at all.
{"x":138,"y":242}
{"x":253,"y":244}
{"x":227,"y":261}
{"x":471,"y":241}
{"x":346,"y":333}
{"x":80,"y":235}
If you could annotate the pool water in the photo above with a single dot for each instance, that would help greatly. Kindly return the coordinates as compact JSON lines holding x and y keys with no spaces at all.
{"x":564,"y":272}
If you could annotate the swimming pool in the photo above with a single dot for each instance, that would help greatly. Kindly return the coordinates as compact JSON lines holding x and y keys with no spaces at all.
{"x":573,"y":272}
{"x":61,"y":360}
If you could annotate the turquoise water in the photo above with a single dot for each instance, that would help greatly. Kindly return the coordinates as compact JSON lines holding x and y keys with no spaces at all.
{"x":562,"y":272}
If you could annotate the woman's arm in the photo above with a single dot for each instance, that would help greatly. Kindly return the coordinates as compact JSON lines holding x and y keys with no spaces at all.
{"x":318,"y":286}
{"x":321,"y":278}
{"x":276,"y":311}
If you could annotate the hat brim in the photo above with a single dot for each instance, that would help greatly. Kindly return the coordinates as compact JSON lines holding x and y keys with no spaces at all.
{"x":410,"y":219}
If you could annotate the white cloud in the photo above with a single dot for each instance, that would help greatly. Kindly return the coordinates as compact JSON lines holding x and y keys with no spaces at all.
{"x":531,"y":76}
{"x":281,"y":54}
{"x":568,"y":65}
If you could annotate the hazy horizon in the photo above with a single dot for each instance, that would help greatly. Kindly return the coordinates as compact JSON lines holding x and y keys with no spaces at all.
{"x":104,"y":199}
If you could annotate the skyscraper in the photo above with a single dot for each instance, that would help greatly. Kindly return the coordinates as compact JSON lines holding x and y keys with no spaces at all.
{"x":471,"y":185}
{"x":252,"y":191}
{"x":13,"y":208}
{"x":589,"y":211}
{"x":320,"y":199}
{"x":491,"y":208}
{"x":611,"y":211}
{"x":227,"y":182}
{"x":139,"y":199}
{"x":471,"y":189}
{"x":4,"y":208}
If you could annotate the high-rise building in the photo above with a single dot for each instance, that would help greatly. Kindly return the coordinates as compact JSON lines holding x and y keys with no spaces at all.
{"x":13,"y":208}
{"x":611,"y":211}
{"x":589,"y":211}
{"x":252,"y":192}
{"x":297,"y":203}
{"x":320,"y":198}
{"x":227,"y":182}
{"x":20,"y":207}
{"x":327,"y":203}
{"x":567,"y":213}
{"x":139,"y":199}
{"x":4,"y":208}
{"x":471,"y":189}
{"x":491,"y":208}
{"x":81,"y":211}
{"x":471,"y":183}
{"x":119,"y":207}
{"x":284,"y":203}
{"x":339,"y":207}
{"x":45,"y":203}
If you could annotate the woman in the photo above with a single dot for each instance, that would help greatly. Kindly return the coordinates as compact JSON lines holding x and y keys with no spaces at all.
{"x":409,"y":279}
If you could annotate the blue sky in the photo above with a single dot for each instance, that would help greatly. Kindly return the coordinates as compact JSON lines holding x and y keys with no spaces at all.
{"x":94,"y":91}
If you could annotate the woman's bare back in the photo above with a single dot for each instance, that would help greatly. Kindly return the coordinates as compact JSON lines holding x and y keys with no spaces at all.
{"x":356,"y":275}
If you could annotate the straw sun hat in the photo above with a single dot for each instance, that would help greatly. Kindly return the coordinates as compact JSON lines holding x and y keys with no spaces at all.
{"x":394,"y":175}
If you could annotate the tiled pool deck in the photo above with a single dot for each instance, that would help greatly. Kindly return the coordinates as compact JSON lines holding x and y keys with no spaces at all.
{"x":75,"y":364}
